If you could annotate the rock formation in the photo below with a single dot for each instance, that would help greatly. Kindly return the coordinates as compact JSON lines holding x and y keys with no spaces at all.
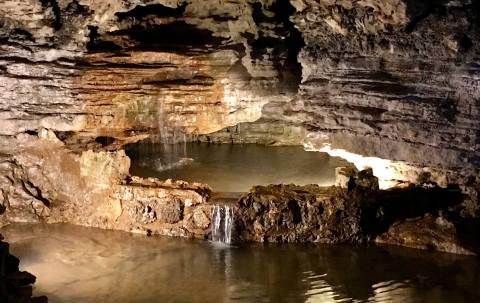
{"x":423,"y":217}
{"x":391,"y":84}
{"x":43,"y":181}
{"x":361,"y":73}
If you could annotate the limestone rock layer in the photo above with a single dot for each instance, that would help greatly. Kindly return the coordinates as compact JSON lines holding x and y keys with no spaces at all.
{"x":404,"y":73}
{"x":376,"y":81}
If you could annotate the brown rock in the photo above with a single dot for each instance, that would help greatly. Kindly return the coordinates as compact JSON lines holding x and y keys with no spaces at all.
{"x":171,"y":212}
{"x":429,"y":232}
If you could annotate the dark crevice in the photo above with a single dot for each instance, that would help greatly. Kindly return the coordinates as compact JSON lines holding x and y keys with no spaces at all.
{"x":258,"y":15}
{"x":21,"y":35}
{"x":397,"y":205}
{"x":104,"y":140}
{"x":95,"y":44}
{"x":197,"y":80}
{"x":286,"y":48}
{"x":224,"y":18}
{"x":175,"y":36}
{"x":64,"y":136}
{"x":31,"y":132}
{"x":448,"y":109}
{"x":418,"y":11}
{"x":464,"y":42}
{"x":35,"y":192}
{"x":75,"y":8}
{"x":57,"y":17}
{"x":420,"y":17}
{"x":157,"y":10}
{"x":295,"y":211}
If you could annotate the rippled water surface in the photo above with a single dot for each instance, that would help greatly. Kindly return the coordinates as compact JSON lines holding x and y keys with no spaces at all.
{"x":233,"y":167}
{"x":76,"y":264}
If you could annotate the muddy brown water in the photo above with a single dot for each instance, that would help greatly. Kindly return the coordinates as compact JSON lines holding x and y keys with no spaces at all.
{"x":84,"y":265}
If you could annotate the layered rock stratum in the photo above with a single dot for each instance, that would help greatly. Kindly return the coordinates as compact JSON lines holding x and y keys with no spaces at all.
{"x":390,"y":84}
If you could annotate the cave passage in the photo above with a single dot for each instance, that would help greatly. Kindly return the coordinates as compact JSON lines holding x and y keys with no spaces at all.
{"x":233,"y":167}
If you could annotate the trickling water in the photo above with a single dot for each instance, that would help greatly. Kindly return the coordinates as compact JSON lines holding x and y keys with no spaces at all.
{"x":222,"y":218}
{"x":166,"y":140}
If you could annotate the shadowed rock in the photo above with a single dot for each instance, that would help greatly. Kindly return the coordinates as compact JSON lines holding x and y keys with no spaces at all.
{"x":415,"y":216}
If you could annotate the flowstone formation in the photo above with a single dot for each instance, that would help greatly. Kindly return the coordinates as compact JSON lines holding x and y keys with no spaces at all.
{"x":391,"y":84}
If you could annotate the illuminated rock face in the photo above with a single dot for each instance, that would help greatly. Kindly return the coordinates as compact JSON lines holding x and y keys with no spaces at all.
{"x":372,"y":75}
{"x":123,"y":68}
{"x":42,"y":181}
{"x":389,"y":84}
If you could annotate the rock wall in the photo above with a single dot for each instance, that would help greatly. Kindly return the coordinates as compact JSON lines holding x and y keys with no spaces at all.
{"x":118,"y":68}
{"x":384,"y":83}
{"x":43,"y":181}
{"x":425,"y":217}
{"x":399,"y":81}
{"x":392,"y":79}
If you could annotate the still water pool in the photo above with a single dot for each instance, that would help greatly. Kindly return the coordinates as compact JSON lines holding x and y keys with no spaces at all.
{"x":233,"y":167}
{"x":84,"y":265}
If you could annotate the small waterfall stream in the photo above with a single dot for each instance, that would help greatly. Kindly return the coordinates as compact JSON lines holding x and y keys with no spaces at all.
{"x":166,"y":148}
{"x":222,"y":224}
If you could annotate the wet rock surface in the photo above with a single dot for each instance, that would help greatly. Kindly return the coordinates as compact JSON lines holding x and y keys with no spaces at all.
{"x":391,"y":79}
{"x":43,"y":181}
{"x":426,"y":217}
{"x":99,"y":192}
{"x":394,"y":80}
{"x":428,"y":233}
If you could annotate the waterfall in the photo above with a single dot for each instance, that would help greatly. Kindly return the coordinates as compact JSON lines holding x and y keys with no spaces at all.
{"x":169,"y":141}
{"x":222,"y":223}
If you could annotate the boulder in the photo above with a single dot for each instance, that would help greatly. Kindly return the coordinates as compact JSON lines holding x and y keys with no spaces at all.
{"x":428,"y":232}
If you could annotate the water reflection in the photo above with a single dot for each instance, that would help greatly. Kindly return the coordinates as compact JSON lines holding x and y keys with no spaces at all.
{"x":76,"y":264}
{"x":233,"y":167}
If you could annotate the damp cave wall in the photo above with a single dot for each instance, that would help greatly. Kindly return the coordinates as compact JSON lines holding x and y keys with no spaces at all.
{"x":395,"y":79}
